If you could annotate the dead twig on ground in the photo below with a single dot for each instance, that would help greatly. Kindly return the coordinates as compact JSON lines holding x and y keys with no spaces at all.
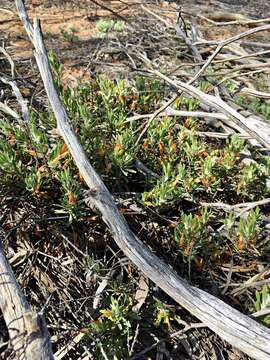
{"x":255,"y":93}
{"x":255,"y":128}
{"x":27,"y":330}
{"x":187,"y":327}
{"x":22,"y":102}
{"x":104,"y":7}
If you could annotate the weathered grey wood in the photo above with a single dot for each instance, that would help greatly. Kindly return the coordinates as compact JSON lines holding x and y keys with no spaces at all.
{"x":239,"y":330}
{"x":27,"y":330}
{"x":253,"y":126}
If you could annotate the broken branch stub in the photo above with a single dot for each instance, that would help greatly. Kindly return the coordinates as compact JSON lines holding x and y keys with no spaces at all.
{"x":27,"y":330}
{"x":239,"y":330}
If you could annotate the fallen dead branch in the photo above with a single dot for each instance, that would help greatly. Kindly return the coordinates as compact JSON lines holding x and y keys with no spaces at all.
{"x":226,"y":42}
{"x":252,"y":92}
{"x":27,"y":330}
{"x":22,"y":102}
{"x":234,"y":327}
{"x":255,"y":128}
{"x":6,"y":109}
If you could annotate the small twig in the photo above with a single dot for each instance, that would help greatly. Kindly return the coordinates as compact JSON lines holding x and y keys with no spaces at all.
{"x":257,"y":129}
{"x":144,"y":169}
{"x":264,"y":69}
{"x":60,"y":354}
{"x":23,"y":103}
{"x":255,"y":93}
{"x":104,"y":7}
{"x":103,"y":351}
{"x":236,"y":20}
{"x":159,"y":18}
{"x":229,"y":277}
{"x":12,"y":66}
{"x":226,"y":42}
{"x":180,"y":113}
{"x":199,"y":73}
{"x":262,"y":312}
{"x":224,"y":60}
{"x":198,"y":57}
{"x":239,"y":68}
{"x":6,"y":109}
{"x":171,"y":336}
{"x":155,"y":114}
{"x":256,"y":44}
{"x":215,"y":135}
{"x":196,"y":114}
{"x":6,"y":11}
{"x":250,"y":285}
{"x":135,"y":338}
{"x":246,"y":206}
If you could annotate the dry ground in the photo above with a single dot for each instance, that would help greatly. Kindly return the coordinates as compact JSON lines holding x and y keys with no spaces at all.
{"x":58,"y":15}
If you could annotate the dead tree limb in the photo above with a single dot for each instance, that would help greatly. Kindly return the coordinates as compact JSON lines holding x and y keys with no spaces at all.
{"x":257,"y":129}
{"x":236,"y":328}
{"x":28,"y":332}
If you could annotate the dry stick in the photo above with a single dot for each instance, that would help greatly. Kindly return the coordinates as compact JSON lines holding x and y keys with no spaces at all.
{"x":215,"y":135}
{"x":110,"y":10}
{"x":227,"y":42}
{"x":181,"y":113}
{"x":172,"y":100}
{"x":198,"y":114}
{"x":241,"y":206}
{"x":261,"y":135}
{"x":235,"y":76}
{"x":6,"y":109}
{"x":256,"y":44}
{"x":240,"y":21}
{"x":27,"y":330}
{"x":234,"y":327}
{"x":226,"y":59}
{"x":156,"y":114}
{"x":157,"y":16}
{"x":11,"y":62}
{"x":61,"y":353}
{"x":255,"y":93}
{"x":239,"y":68}
{"x":22,"y":102}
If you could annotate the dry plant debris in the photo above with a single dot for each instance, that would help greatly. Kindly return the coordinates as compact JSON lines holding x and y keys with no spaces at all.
{"x":172,"y":109}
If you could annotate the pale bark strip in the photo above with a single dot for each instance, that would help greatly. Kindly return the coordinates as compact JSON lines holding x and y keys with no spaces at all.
{"x":27,"y":330}
{"x":254,"y":127}
{"x":236,"y":328}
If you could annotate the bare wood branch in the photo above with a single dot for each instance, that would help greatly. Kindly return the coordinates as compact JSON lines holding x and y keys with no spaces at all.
{"x":226,"y":42}
{"x":238,"y":207}
{"x":27,"y":329}
{"x":102,"y":6}
{"x":236,"y":328}
{"x":255,"y":128}
{"x":11,"y":62}
{"x":6,"y":109}
{"x":170,"y":102}
{"x":23,"y":103}
{"x":253,"y":92}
